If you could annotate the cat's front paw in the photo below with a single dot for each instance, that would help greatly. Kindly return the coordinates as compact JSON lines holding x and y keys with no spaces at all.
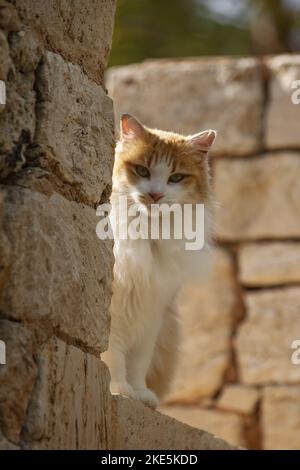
{"x":146,"y":396}
{"x":124,"y":389}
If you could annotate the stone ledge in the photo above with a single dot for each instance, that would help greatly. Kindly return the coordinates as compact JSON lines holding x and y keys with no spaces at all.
{"x":137,"y":427}
{"x":225,"y":424}
{"x":61,"y":400}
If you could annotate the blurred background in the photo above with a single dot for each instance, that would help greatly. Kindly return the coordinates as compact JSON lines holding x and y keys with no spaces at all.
{"x":179,"y":28}
{"x":230,"y":65}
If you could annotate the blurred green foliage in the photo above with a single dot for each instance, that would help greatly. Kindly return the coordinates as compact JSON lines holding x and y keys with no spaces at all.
{"x":179,"y":28}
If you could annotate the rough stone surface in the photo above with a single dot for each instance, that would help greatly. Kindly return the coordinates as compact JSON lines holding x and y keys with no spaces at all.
{"x":6,"y":445}
{"x":80,"y":31}
{"x":282,"y":118}
{"x":17,"y":378}
{"x":26,"y":50}
{"x":265,"y":337}
{"x":4,"y":57}
{"x":206,"y":315}
{"x":238,"y":399}
{"x":225,"y":425}
{"x":281,"y":418}
{"x":192,"y":95}
{"x":70,"y":406}
{"x":258,"y":198}
{"x":16,"y":128}
{"x":56,"y":155}
{"x":82,"y":100}
{"x":269,"y":264}
{"x":17,"y":118}
{"x":9,"y":18}
{"x":55,"y":396}
{"x":137,"y":427}
{"x":63,"y":276}
{"x":74,"y":135}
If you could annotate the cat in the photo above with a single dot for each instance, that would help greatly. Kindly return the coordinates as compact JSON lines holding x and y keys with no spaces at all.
{"x":153,"y":167}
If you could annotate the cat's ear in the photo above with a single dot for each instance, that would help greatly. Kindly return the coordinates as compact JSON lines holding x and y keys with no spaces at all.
{"x":203,"y":141}
{"x":131,"y":128}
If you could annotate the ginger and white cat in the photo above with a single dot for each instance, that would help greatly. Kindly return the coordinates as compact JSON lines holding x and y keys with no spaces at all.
{"x":152,"y":166}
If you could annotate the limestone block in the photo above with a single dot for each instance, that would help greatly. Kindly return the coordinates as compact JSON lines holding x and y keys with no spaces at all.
{"x":17,"y":118}
{"x":227,"y":426}
{"x":5,"y":444}
{"x":26,"y":50}
{"x":206,"y":316}
{"x":258,"y":197}
{"x":238,"y":399}
{"x":281,"y":417}
{"x":9,"y":18}
{"x":57,"y":272}
{"x":74,"y":131}
{"x":191,"y":95}
{"x":4,"y":57}
{"x":264,"y":339}
{"x":17,"y":378}
{"x":17,"y":124}
{"x":282,"y":117}
{"x":269,"y":264}
{"x":137,"y":427}
{"x":80,"y":31}
{"x":70,"y":407}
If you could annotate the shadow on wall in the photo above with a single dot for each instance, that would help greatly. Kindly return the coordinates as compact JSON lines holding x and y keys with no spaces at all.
{"x":235,"y":376}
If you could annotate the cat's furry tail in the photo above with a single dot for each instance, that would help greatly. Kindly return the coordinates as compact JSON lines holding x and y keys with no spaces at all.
{"x":162,"y":369}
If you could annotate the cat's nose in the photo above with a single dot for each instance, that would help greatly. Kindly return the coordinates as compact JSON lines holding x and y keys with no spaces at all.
{"x":156,"y":196}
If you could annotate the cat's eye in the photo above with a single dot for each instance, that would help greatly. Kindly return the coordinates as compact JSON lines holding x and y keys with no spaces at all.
{"x":176,"y":178}
{"x":142,"y":171}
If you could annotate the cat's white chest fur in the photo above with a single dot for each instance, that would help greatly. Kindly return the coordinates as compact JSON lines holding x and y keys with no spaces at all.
{"x":153,"y":276}
{"x":153,"y":271}
{"x":148,"y":276}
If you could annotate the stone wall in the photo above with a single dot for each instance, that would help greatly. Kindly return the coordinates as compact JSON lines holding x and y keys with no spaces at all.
{"x":235,"y":376}
{"x":56,"y":157}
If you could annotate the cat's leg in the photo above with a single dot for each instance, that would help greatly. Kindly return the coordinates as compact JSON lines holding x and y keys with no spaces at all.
{"x":165,"y":357}
{"x":139,"y":361}
{"x":115,"y":359}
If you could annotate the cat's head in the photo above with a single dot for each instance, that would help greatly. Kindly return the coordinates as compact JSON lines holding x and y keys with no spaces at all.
{"x":153,"y":166}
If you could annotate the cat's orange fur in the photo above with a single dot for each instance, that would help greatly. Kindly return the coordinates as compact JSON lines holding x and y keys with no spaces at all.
{"x":156,"y":145}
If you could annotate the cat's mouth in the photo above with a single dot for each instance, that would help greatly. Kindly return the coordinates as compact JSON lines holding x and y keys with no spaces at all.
{"x":149,"y":201}
{"x":146,"y":202}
